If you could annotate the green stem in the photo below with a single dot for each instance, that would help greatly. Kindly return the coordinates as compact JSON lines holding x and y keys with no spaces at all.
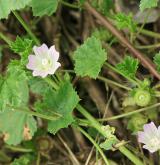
{"x":92,"y":120}
{"x":98,"y":126}
{"x":52,"y":118}
{"x":38,"y":159}
{"x":18,"y":149}
{"x":150,"y":33}
{"x":117,"y":71}
{"x":142,"y":26}
{"x":94,"y":143}
{"x":3,"y":37}
{"x":130,"y":113}
{"x":26,"y":27}
{"x":113,"y":83}
{"x":85,"y":122}
{"x":104,"y":80}
{"x":148,"y":46}
{"x":130,"y":155}
{"x":51,"y":83}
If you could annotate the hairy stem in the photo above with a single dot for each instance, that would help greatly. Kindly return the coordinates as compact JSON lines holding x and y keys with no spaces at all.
{"x":94,"y":143}
{"x":117,"y":71}
{"x":113,"y":83}
{"x":157,"y":45}
{"x":55,"y":116}
{"x":142,"y":26}
{"x":51,"y":83}
{"x":26,"y":27}
{"x":98,"y":126}
{"x":18,"y":149}
{"x":3,"y":37}
{"x":150,"y":33}
{"x":130,"y":113}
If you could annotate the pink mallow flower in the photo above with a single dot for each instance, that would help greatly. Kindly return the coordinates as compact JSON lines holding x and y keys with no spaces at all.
{"x":44,"y":61}
{"x":150,"y":137}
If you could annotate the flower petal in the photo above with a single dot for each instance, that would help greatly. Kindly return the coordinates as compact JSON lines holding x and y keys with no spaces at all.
{"x":54,"y":68}
{"x":151,"y":129}
{"x":159,"y":131}
{"x":53,"y":53}
{"x":44,"y":61}
{"x":41,"y":50}
{"x":150,"y":149}
{"x":32,"y":62}
{"x":142,"y":138}
{"x":40,"y":73}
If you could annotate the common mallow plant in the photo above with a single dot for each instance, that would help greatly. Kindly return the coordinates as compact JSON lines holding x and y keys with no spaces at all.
{"x":150,"y":137}
{"x":44,"y":61}
{"x":55,"y":98}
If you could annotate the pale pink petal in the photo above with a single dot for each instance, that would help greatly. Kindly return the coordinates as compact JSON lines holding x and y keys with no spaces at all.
{"x":43,"y":75}
{"x":150,"y":137}
{"x":32,"y":62}
{"x":41,"y":50}
{"x":44,"y":61}
{"x":54,"y":68}
{"x":151,"y":150}
{"x":53,"y":53}
{"x":150,"y":128}
{"x":142,"y":138}
{"x":40,"y":73}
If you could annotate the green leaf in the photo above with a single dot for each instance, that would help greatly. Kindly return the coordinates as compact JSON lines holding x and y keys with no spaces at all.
{"x":13,"y":123}
{"x":109,"y":131}
{"x":13,"y":90}
{"x":38,"y":86}
{"x":128,"y":66}
{"x":44,"y":7}
{"x":110,"y":138}
{"x":8,"y":5}
{"x":82,"y":1}
{"x":16,"y":69}
{"x":89,"y":58}
{"x":125,"y":21}
{"x":157,"y":61}
{"x":23,"y":160}
{"x":102,"y":34}
{"x":62,"y":101}
{"x":146,"y":4}
{"x":103,"y":6}
{"x":22,"y":47}
{"x":108,"y":143}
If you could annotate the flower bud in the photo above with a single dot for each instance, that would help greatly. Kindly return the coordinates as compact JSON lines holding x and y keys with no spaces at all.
{"x":142,"y":97}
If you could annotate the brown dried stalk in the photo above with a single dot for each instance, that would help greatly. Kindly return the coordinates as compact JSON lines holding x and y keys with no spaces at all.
{"x":145,"y":61}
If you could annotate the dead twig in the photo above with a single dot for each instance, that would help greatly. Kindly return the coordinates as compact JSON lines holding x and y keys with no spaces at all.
{"x":146,"y":62}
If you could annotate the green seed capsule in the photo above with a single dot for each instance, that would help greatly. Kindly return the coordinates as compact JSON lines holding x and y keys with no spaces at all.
{"x":142,"y":98}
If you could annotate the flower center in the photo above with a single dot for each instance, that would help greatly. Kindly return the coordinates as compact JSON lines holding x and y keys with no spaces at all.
{"x":141,"y":97}
{"x":155,"y":142}
{"x":45,"y":62}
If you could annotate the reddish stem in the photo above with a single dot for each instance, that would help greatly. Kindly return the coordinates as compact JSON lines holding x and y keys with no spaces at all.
{"x":145,"y":61}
